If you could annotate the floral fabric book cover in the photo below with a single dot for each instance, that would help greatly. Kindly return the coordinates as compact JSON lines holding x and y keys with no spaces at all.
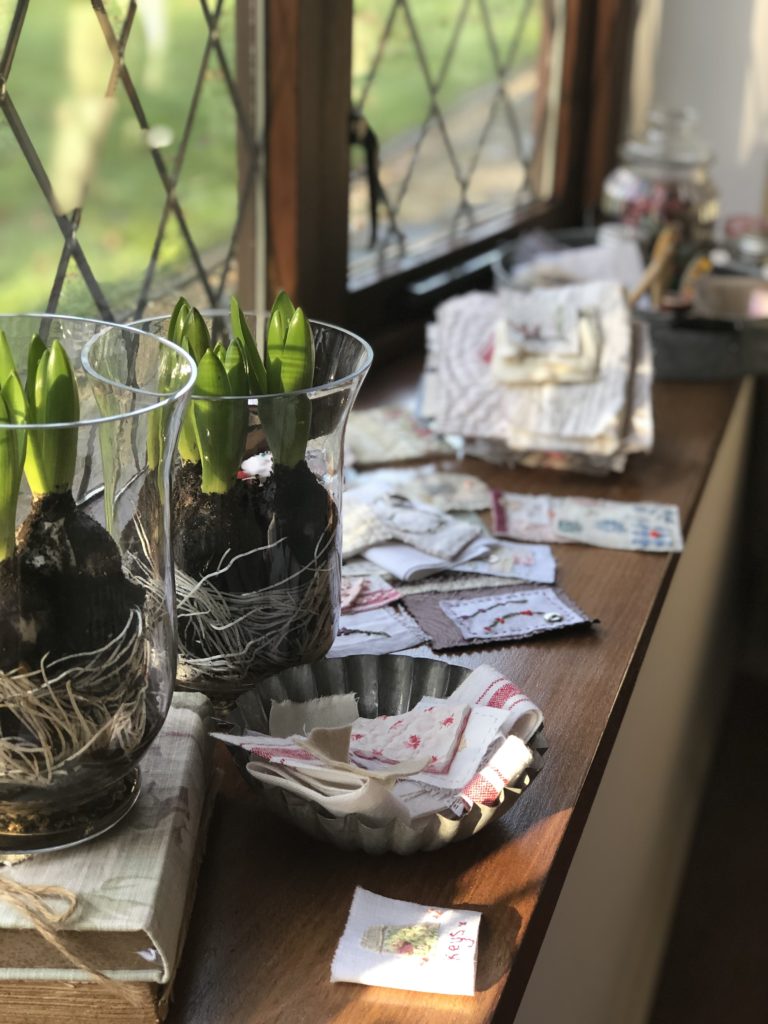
{"x":134,"y":884}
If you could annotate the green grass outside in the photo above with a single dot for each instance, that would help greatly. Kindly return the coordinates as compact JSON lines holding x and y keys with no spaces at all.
{"x":62,"y":54}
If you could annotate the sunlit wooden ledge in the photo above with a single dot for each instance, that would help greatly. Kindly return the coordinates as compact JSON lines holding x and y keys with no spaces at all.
{"x":571,"y":930}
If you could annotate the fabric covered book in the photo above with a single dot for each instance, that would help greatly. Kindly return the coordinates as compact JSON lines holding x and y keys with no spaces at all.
{"x":134,"y":888}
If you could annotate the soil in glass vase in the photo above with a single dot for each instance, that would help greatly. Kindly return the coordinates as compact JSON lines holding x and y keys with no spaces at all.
{"x":82,"y":692}
{"x":257,"y":491}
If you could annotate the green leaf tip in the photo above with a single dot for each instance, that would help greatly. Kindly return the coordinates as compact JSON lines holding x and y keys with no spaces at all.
{"x":52,"y":398}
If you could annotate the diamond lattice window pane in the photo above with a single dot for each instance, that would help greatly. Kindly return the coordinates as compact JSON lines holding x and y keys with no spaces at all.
{"x":121,"y":213}
{"x":30,"y":240}
{"x":106,"y":183}
{"x":164,"y":56}
{"x":457,"y":92}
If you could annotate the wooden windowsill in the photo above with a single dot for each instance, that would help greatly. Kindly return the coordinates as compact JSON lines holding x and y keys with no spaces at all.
{"x":272,"y":904}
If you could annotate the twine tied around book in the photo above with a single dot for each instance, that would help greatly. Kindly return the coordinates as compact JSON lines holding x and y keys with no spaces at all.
{"x":34,"y":902}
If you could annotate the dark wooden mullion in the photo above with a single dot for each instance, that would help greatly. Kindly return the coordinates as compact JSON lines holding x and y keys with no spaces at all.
{"x":308,"y":151}
{"x":250,"y":79}
{"x":159,"y":162}
{"x":542,"y":113}
{"x":43,"y":181}
{"x":612,"y":33}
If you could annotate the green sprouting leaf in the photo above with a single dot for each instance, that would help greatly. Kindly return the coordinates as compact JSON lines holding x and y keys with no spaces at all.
{"x":187,"y":443}
{"x":284,"y":307}
{"x":215,"y":426}
{"x":36,"y":352}
{"x":257,"y":374}
{"x":167,"y":381}
{"x":274,"y":376}
{"x":277,"y":327}
{"x":286,"y":422}
{"x":178,"y":318}
{"x":51,"y":454}
{"x":298,"y":360}
{"x":196,"y":331}
{"x":34,"y":466}
{"x":10,"y":478}
{"x":234,"y":366}
{"x":16,"y":403}
{"x":62,"y":405}
{"x":7,"y":365}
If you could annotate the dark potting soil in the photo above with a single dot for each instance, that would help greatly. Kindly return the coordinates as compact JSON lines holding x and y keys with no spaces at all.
{"x":290,"y":507}
{"x":64,"y":591}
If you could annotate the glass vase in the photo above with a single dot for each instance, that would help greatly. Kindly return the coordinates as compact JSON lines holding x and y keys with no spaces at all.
{"x":664,"y":175}
{"x":87,"y":617}
{"x":258,"y":568}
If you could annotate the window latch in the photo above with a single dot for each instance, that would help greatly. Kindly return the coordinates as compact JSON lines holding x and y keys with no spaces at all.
{"x":361,"y":134}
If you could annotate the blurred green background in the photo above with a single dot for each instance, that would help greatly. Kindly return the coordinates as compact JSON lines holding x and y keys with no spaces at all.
{"x":96,"y":155}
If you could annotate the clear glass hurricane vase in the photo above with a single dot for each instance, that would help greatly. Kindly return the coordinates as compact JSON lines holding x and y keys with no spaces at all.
{"x":87,"y":631}
{"x":258,"y":568}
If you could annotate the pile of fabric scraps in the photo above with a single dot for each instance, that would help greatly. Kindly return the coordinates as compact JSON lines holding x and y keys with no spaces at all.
{"x":389,"y":434}
{"x":557,"y":377}
{"x":395,"y":548}
{"x":442,"y":757}
{"x":417,"y":572}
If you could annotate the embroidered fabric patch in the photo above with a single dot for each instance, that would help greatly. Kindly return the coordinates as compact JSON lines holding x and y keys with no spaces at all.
{"x":407,"y":946}
{"x":455,"y":621}
{"x":376,"y":631}
{"x":510,"y":616}
{"x":623,"y":525}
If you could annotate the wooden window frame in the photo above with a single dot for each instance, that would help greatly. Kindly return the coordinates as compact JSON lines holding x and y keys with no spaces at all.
{"x":308,"y":47}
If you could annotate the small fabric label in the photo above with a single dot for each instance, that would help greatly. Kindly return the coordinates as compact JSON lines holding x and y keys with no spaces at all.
{"x":507,"y":616}
{"x":407,"y":946}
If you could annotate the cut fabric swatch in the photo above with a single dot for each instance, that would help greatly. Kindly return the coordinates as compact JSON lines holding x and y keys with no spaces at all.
{"x":390,"y":434}
{"x":514,"y":613}
{"x":380,"y":631}
{"x":624,"y":525}
{"x":407,"y":946}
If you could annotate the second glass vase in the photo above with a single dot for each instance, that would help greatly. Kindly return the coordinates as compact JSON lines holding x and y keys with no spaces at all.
{"x":258,"y":561}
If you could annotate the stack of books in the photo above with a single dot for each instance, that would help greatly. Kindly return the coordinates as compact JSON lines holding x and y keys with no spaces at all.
{"x":134,"y":887}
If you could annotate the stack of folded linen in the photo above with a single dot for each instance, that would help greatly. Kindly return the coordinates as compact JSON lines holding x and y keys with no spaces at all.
{"x":556,"y":376}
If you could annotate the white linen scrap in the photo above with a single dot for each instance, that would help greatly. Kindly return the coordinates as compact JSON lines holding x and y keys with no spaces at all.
{"x":402,"y":945}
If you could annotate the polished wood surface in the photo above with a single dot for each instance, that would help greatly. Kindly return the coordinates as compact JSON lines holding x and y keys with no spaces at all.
{"x":272,"y":904}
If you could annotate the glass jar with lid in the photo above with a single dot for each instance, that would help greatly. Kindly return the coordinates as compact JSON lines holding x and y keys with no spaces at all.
{"x":664,"y":176}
